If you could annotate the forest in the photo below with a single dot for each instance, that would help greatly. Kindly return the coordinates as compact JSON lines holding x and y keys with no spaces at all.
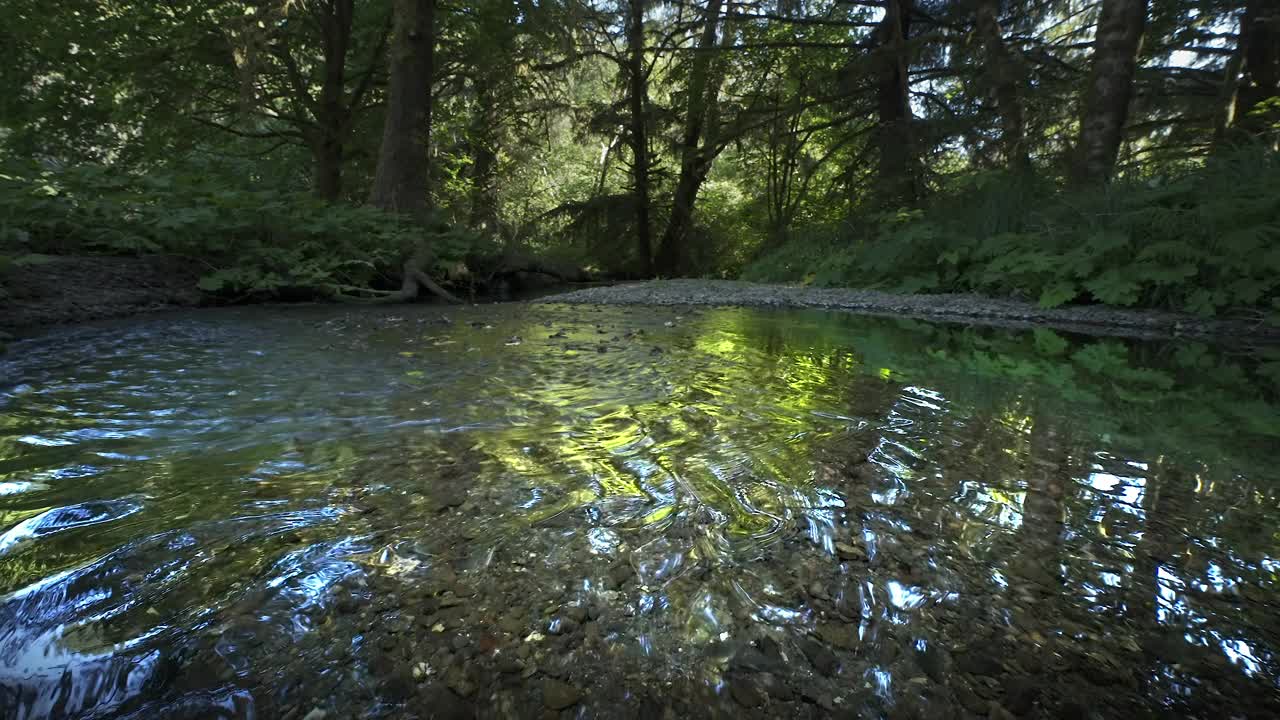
{"x":1120,"y":152}
{"x":624,"y":359}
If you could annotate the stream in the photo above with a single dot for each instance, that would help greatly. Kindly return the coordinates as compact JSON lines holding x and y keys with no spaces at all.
{"x":521,"y":510}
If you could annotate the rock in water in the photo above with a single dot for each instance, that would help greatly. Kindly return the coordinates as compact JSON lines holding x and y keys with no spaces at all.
{"x":846,"y":551}
{"x":745,"y":692}
{"x":839,"y":635}
{"x":823,"y":660}
{"x":449,"y":497}
{"x":936,"y":663}
{"x":559,"y":695}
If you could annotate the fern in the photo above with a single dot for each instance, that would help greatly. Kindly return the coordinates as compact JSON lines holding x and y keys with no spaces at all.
{"x":1206,"y":242}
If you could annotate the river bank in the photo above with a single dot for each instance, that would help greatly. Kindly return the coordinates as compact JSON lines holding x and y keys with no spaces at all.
{"x":63,"y":290}
{"x":1089,"y":319}
{"x":55,"y":290}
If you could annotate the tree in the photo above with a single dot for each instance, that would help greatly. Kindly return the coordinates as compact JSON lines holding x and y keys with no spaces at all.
{"x":1260,"y":80}
{"x":336,"y":110}
{"x":400,"y":184}
{"x":1004,"y":73}
{"x":1117,"y":44}
{"x":898,"y":172}
{"x":638,"y":138}
{"x":698,"y":144}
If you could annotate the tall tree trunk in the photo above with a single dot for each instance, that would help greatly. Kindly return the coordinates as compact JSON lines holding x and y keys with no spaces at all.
{"x":327,"y":171}
{"x":637,"y":102}
{"x":1260,"y":37}
{"x":332,"y":114}
{"x":400,"y":184}
{"x":695,"y":155}
{"x":484,"y":158}
{"x":1003,"y":69}
{"x":1228,"y":92}
{"x":1115,"y":62}
{"x":897,"y":169}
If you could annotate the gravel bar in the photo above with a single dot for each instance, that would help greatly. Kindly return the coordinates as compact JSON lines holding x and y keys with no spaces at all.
{"x":971,"y":309}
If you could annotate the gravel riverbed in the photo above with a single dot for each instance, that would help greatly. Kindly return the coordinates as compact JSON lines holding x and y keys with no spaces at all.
{"x":1091,"y":319}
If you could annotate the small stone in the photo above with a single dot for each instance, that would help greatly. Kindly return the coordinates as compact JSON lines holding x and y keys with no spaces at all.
{"x":936,"y":662}
{"x":970,"y":700}
{"x":776,"y":687}
{"x":846,"y":551}
{"x":745,"y":692}
{"x":822,"y":659}
{"x":749,"y":658}
{"x":561,"y":626}
{"x":346,"y":602}
{"x":449,"y":600}
{"x":444,"y":704}
{"x":979,"y":663}
{"x":449,"y":497}
{"x":1020,"y":693}
{"x":577,"y":613}
{"x":559,"y":695}
{"x":996,"y":711}
{"x":397,"y":687}
{"x":1031,"y":660}
{"x":458,"y":682}
{"x":619,"y":575}
{"x":316,"y":714}
{"x":771,"y":649}
{"x":1073,"y":709}
{"x":840,"y":635}
{"x":591,"y":633}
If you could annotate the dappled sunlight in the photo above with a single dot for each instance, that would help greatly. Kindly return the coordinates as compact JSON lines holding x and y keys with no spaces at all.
{"x":684,"y":500}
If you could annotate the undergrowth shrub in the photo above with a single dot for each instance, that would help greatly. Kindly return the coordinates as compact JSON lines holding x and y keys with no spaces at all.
{"x":247,"y":239}
{"x":1206,"y":241}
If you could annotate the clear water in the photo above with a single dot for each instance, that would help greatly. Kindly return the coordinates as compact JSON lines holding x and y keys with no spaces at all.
{"x":517,"y":510}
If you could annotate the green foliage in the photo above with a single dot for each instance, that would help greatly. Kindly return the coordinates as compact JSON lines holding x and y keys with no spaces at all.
{"x":250,"y":240}
{"x":1195,"y":401}
{"x":1207,"y":241}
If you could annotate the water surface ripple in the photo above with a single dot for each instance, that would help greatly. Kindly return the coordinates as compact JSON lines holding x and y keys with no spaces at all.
{"x":511,"y":511}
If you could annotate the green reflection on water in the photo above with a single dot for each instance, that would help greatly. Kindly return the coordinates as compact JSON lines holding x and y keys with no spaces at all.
{"x":1082,"y":498}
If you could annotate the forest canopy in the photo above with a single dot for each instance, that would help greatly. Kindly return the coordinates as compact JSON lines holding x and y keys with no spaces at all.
{"x":1118,"y":151}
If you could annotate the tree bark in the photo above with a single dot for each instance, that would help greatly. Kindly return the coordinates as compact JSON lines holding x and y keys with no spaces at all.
{"x":897,"y":169}
{"x":695,"y":155}
{"x":1115,"y":62}
{"x":1260,"y":37}
{"x":484,"y":159}
{"x":400,"y":183}
{"x":1004,"y":72}
{"x":637,"y":102}
{"x":332,"y":114}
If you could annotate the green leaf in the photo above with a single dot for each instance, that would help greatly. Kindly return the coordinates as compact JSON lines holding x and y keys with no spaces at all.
{"x":1058,"y":293}
{"x":1114,"y":288}
{"x":212,"y":283}
{"x":1049,"y":343}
